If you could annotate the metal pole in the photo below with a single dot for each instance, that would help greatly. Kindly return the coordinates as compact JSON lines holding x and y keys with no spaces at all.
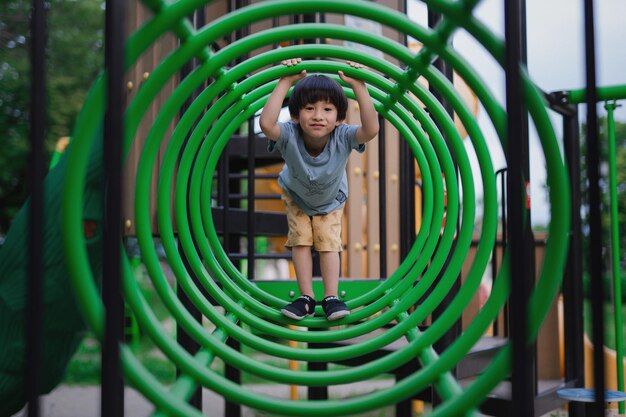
{"x":596,"y":272}
{"x":572,"y":282}
{"x":34,"y":320}
{"x":452,"y":334}
{"x":615,"y":250}
{"x":184,"y":339}
{"x":517,"y":151}
{"x":112,"y":400}
{"x":382,"y":190}
{"x":251,"y":200}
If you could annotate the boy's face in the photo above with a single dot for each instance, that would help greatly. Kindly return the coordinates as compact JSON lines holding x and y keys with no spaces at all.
{"x":318,"y":120}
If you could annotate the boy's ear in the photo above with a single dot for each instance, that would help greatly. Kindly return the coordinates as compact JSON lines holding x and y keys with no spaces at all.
{"x":295,"y":119}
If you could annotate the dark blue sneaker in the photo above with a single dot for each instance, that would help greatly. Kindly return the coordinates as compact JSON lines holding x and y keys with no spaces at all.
{"x":300,"y":308}
{"x":334,"y":308}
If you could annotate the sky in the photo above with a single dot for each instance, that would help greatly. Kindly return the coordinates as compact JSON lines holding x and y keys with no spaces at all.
{"x":556,"y":61}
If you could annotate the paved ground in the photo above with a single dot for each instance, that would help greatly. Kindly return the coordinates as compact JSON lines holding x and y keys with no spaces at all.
{"x":75,"y":401}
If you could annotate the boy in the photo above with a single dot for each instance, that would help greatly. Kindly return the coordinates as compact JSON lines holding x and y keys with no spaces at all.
{"x":316,"y":145}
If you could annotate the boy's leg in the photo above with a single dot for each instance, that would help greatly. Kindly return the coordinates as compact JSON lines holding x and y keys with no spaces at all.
{"x":303,"y":264}
{"x":329,"y":264}
{"x":299,"y":241}
{"x":327,"y":241}
{"x":305,"y":304}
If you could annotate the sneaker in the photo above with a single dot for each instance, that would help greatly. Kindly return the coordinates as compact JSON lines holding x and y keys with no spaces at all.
{"x":334,"y":308}
{"x":300,"y":308}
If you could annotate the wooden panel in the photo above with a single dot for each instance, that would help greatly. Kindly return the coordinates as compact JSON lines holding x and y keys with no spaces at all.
{"x":353,"y":215}
{"x":136,"y":14}
{"x":137,"y":74}
{"x":392,"y":156}
{"x":548,"y":352}
{"x":373,"y":210}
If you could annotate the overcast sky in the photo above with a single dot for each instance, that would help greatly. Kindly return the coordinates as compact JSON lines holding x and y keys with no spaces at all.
{"x":556,"y":61}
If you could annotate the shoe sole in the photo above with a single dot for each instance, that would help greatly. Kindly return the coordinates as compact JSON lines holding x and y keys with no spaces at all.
{"x":291,"y":315}
{"x":338,"y":315}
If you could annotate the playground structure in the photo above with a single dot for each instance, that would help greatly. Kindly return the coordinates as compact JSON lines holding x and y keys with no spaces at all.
{"x":413,"y":309}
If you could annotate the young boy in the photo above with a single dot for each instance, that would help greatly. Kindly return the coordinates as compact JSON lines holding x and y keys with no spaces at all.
{"x":316,"y":145}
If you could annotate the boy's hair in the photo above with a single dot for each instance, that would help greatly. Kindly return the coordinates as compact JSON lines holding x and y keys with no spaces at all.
{"x":316,"y":88}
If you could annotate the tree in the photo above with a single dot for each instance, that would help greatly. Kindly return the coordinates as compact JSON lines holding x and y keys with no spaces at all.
{"x":620,"y":141}
{"x":74,"y":58}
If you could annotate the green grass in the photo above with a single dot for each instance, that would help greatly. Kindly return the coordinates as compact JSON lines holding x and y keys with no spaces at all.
{"x":609,"y":323}
{"x":382,"y":412}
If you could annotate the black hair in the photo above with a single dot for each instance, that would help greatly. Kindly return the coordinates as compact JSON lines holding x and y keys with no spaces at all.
{"x":316,"y":88}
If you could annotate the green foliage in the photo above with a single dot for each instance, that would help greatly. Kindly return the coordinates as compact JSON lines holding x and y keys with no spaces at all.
{"x":74,"y":58}
{"x":620,"y":139}
{"x":607,"y":286}
{"x":608,"y":323}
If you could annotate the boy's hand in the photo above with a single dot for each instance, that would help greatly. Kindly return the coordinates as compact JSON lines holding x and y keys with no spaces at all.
{"x":349,"y":80}
{"x":294,"y":77}
{"x":369,"y":118}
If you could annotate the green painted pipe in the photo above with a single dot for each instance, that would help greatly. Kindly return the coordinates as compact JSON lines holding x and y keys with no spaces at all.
{"x":251,"y":94}
{"x":612,"y":92}
{"x":615,"y":249}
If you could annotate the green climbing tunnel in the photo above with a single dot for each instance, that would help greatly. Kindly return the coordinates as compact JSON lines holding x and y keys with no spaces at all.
{"x":250,"y":314}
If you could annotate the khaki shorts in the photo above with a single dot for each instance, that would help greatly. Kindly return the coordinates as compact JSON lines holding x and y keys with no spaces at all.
{"x":322,"y":231}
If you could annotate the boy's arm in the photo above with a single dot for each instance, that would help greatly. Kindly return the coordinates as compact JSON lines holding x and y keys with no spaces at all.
{"x":271,"y":110}
{"x":369,"y":118}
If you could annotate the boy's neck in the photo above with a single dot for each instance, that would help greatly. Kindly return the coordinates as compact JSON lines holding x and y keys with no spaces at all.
{"x":314,"y":147}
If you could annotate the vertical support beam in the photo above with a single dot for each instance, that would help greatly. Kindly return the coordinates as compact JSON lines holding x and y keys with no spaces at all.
{"x":382,"y":208}
{"x":373,"y":221}
{"x":317,"y":393}
{"x":407,"y":181}
{"x":404,"y":408}
{"x":572,"y":284}
{"x":232,"y":409}
{"x":455,"y":330}
{"x":34,"y":314}
{"x":251,"y":201}
{"x":182,"y":337}
{"x":500,"y":323}
{"x":407,"y":199}
{"x":522,"y":268}
{"x":354,"y":205}
{"x":615,"y":250}
{"x":112,"y":382}
{"x":596,"y":270}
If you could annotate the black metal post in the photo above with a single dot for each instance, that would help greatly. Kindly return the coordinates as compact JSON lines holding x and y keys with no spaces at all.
{"x":112,"y":400}
{"x":224,"y":195}
{"x":182,"y":337}
{"x":382,"y":196}
{"x":596,"y":270}
{"x":317,"y":393}
{"x":572,"y":284}
{"x":407,"y":198}
{"x":251,"y":200}
{"x":501,"y":173}
{"x":407,"y":181}
{"x":452,"y":334}
{"x":518,"y":180}
{"x":34,"y":314}
{"x":232,"y":409}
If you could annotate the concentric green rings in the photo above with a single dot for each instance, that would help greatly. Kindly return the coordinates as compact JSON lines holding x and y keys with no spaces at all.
{"x":246,"y":312}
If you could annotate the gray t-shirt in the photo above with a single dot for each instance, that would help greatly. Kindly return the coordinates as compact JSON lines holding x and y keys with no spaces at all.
{"x":318,"y":184}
